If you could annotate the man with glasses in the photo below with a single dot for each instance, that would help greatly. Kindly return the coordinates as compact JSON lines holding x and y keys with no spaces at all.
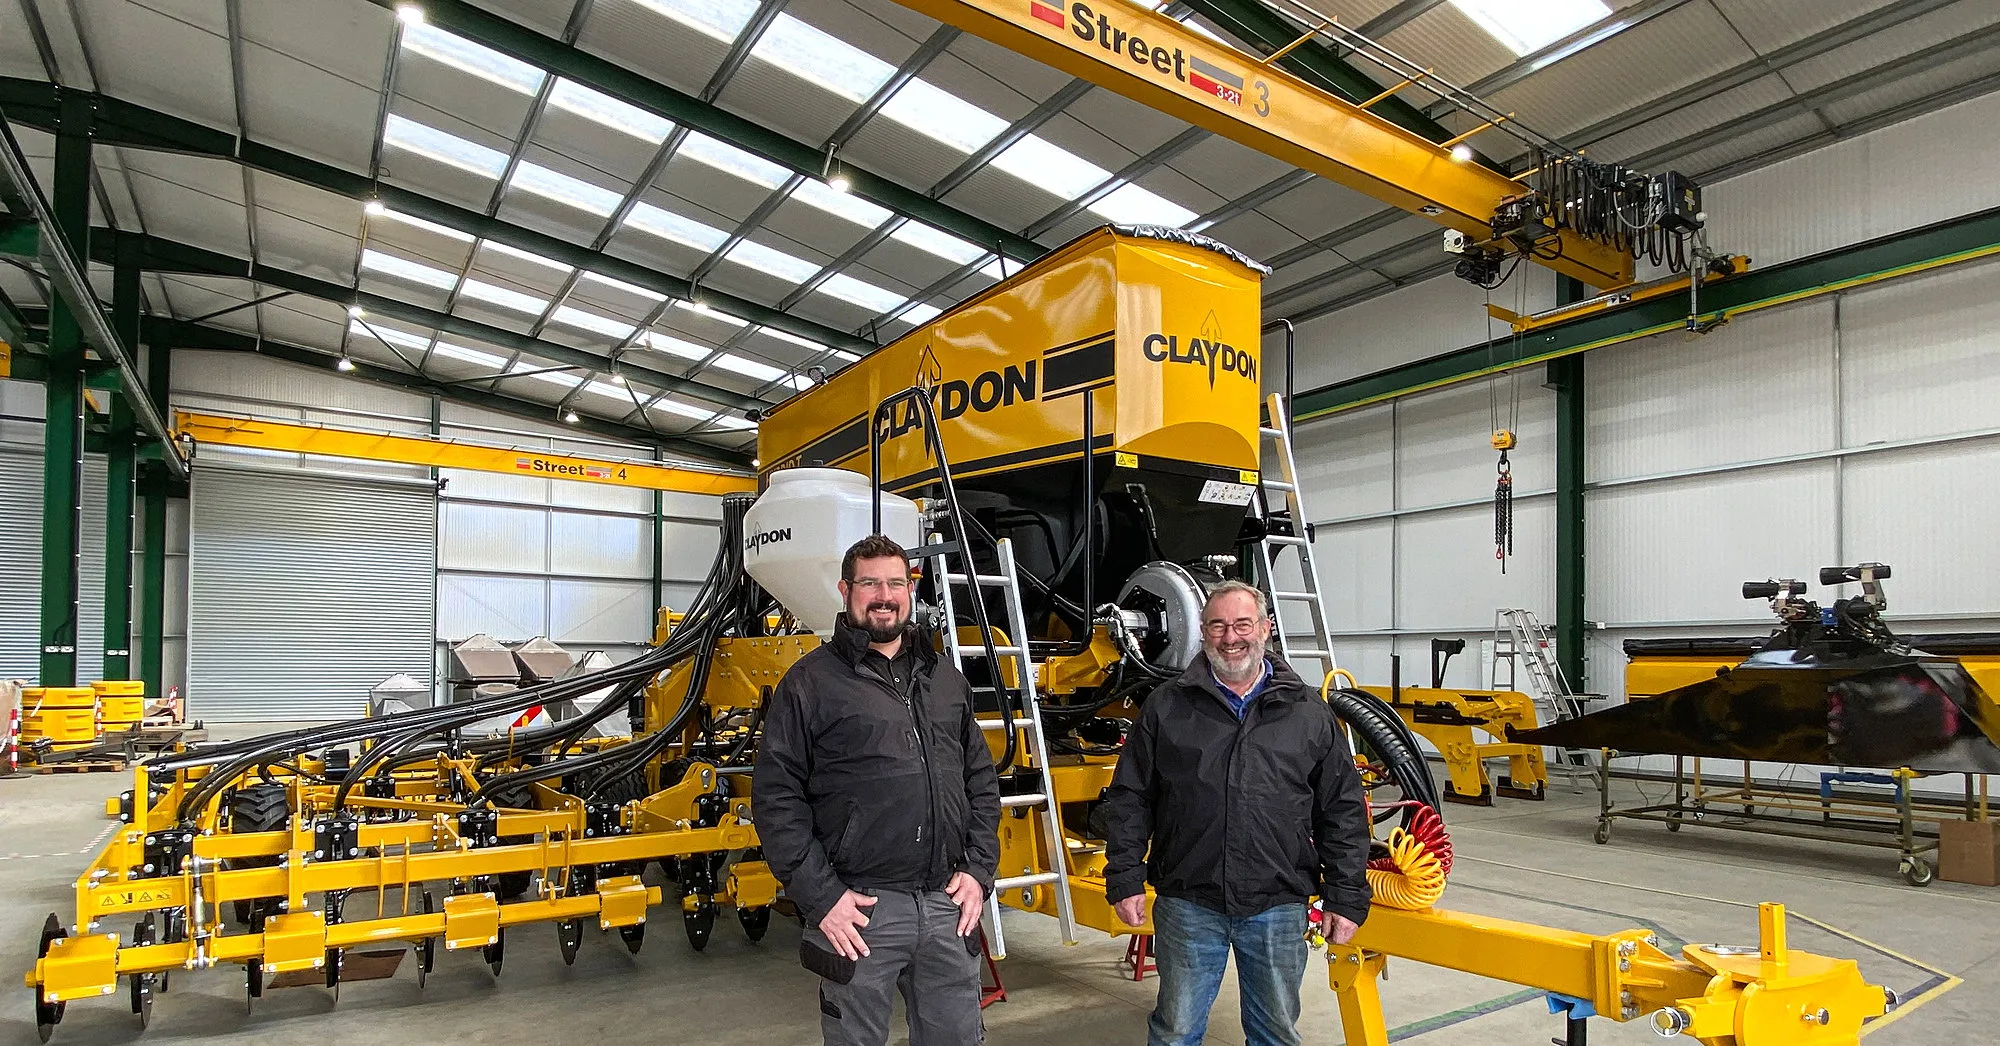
{"x":1240,"y":780}
{"x":878,"y":809}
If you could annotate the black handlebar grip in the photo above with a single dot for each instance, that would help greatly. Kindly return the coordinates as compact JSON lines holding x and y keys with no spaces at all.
{"x":1837,"y":575}
{"x":1760,"y":589}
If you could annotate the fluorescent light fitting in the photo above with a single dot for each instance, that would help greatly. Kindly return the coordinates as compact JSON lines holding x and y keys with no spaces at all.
{"x":375,"y":208}
{"x":570,"y":417}
{"x":839,"y":182}
{"x":409,"y":14}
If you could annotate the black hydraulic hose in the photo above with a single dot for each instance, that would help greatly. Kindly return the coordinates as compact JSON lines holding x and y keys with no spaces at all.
{"x":976,"y":592}
{"x":1377,"y":724}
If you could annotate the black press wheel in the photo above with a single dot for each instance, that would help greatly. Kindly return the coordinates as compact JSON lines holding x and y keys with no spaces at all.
{"x":142,"y":984}
{"x":426,"y":950}
{"x":48,"y":1014}
{"x":755,"y":921}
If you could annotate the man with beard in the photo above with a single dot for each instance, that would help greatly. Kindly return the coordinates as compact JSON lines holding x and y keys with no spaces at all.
{"x":1241,"y":781}
{"x":878,"y":808}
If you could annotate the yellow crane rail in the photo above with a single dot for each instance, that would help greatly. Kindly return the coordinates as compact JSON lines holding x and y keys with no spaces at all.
{"x":1167,"y":66}
{"x":326,"y":440}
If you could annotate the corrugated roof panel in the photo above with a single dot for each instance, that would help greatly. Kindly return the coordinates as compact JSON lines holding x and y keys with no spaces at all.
{"x":64,"y":41}
{"x":745,"y":282}
{"x":1319,"y":207}
{"x":1693,"y":119}
{"x":1002,"y":199}
{"x":1133,"y":126}
{"x":621,"y":156}
{"x":1444,"y":39}
{"x":1770,"y":24}
{"x":906,"y":264}
{"x":402,"y":290}
{"x":900,"y":154}
{"x":697,"y":190}
{"x":496,"y":264}
{"x":296,"y":244}
{"x":493,"y":315}
{"x":307,"y":110}
{"x":1181,"y":189}
{"x":196,"y":295}
{"x":896,"y":16}
{"x":1009,"y":69}
{"x":833,"y":312}
{"x":654,"y":252}
{"x":18,"y":57}
{"x":821,"y":232}
{"x":1226,"y":168}
{"x":185,"y":200}
{"x":1067,"y":132}
{"x":658,"y":46}
{"x":1255,"y":235}
{"x":860,"y":28}
{"x":1680,"y":47}
{"x":1950,"y":23}
{"x":301,"y":329}
{"x":598,"y":297}
{"x":1728,"y":151}
{"x":549,"y":16}
{"x":1914,"y":88}
{"x":350,"y":41}
{"x":776,"y":99}
{"x":471,"y":100}
{"x":419,"y":243}
{"x":163,"y":62}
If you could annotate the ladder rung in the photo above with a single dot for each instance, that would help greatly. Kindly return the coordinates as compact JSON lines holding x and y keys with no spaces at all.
{"x":979,"y":650}
{"x":1279,"y":484}
{"x":1015,"y":882}
{"x":1309,"y":652}
{"x":1020,"y":723}
{"x":1307,"y":596}
{"x":1025,"y":799}
{"x":1284,"y":539}
{"x":1273,"y":433}
{"x":984,"y":579}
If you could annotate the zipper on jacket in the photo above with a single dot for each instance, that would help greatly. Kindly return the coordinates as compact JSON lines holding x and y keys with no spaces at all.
{"x":908,"y":698}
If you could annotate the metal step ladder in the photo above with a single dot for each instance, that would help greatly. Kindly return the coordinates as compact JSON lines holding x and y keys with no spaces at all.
{"x":1028,"y":726}
{"x":1270,"y":551}
{"x":1522,"y":644}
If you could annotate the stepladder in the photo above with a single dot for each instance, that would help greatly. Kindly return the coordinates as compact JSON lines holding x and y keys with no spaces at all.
{"x":1522,"y":647}
{"x":1288,"y":573}
{"x":1028,"y":789}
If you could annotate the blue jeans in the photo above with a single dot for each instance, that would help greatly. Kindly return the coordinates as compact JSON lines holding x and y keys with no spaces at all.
{"x":1191,"y":946}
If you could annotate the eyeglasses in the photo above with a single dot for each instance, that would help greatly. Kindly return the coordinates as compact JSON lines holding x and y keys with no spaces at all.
{"x":1242,"y":626}
{"x":894,"y":584}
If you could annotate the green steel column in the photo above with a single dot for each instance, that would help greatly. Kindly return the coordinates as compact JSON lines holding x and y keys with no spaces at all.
{"x":62,"y":455}
{"x":659,"y":524}
{"x":153,"y":564}
{"x":121,"y":453}
{"x":1566,"y":376}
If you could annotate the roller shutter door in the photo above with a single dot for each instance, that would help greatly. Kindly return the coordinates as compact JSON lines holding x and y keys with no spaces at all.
{"x":305,"y":592}
{"x":21,"y":567}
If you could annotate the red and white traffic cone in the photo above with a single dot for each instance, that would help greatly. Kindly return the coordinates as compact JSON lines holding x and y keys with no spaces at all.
{"x":10,"y":746}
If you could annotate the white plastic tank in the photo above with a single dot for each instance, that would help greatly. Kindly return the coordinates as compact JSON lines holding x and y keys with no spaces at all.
{"x":801,"y":526}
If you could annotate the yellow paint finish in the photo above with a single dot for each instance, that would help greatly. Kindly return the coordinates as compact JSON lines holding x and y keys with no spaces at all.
{"x":262,"y":434}
{"x":1266,"y":109}
{"x":997,"y":365}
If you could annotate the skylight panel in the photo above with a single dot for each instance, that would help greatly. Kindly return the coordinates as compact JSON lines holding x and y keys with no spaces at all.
{"x":611,"y":112}
{"x":771,"y":261}
{"x":731,"y":423}
{"x":730,"y":160}
{"x":748,"y":368}
{"x":821,"y":58}
{"x":621,"y":285}
{"x":466,"y":56}
{"x":673,"y":346}
{"x":846,"y":357}
{"x":609,"y":391}
{"x":721,"y":19}
{"x":562,"y":188}
{"x":670,"y":226}
{"x":860,"y":292}
{"x":938,"y":242}
{"x":373,"y":260}
{"x":539,"y":372}
{"x":937,"y":113}
{"x":527,"y":256}
{"x":1131,"y":205}
{"x":506,"y":298}
{"x":793,"y":339}
{"x":921,"y":313}
{"x":465,"y":355}
{"x":431,"y":227}
{"x":404,"y":133}
{"x":719,"y":317}
{"x":1042,"y":163}
{"x":376,"y":331}
{"x":685,"y":410}
{"x":816,"y":193}
{"x":1526,"y":26}
{"x":593,"y":323}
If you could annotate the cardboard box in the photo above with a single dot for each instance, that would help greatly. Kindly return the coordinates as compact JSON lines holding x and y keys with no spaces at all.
{"x":1969,"y":852}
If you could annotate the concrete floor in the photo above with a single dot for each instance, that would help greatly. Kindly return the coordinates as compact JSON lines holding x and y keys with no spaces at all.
{"x":1527,"y":861}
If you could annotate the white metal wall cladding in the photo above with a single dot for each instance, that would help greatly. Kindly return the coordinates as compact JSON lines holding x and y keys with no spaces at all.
{"x":21,"y":567}
{"x":1918,"y":358}
{"x":304,"y":593}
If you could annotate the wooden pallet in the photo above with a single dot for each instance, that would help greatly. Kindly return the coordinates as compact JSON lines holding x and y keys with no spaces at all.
{"x":77,"y":766}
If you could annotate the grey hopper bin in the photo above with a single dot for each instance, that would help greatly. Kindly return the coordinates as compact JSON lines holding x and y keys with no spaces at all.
{"x":483,"y":659}
{"x":543,"y":661}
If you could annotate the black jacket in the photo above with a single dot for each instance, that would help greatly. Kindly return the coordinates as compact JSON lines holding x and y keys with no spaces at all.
{"x":1242,"y":815}
{"x":860,"y":786}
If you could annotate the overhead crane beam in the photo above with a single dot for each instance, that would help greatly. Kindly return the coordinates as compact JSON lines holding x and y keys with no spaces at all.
{"x":1167,"y":66}
{"x":439,"y":452}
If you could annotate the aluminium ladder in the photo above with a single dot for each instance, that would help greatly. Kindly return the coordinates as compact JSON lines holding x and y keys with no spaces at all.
{"x":1522,"y":642}
{"x":1027,"y":726}
{"x":1278,"y":436}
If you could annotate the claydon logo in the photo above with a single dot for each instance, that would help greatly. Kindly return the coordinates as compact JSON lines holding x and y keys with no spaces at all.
{"x":951,"y":399}
{"x":757,"y":541}
{"x":1208,"y":350}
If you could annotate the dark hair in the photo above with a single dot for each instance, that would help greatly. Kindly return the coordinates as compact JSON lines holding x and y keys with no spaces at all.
{"x":874,"y":546}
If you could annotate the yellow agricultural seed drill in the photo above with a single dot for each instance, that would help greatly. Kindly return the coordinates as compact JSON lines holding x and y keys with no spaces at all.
{"x":1074,"y":452}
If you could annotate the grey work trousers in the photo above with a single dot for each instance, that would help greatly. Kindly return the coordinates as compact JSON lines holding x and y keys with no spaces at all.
{"x":913,"y":947}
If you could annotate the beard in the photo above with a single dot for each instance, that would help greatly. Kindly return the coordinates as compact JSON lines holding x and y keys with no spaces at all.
{"x":870,"y":620}
{"x":1236,"y":660}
